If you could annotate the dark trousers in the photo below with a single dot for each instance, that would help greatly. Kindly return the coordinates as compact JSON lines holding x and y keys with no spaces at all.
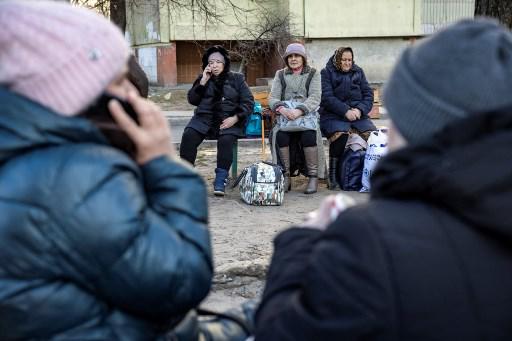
{"x":337,"y":147}
{"x":191,"y":139}
{"x":307,"y":138}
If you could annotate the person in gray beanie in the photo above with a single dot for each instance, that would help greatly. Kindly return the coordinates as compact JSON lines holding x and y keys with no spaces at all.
{"x":428,"y":257}
{"x":425,"y":94}
{"x":296,"y":138}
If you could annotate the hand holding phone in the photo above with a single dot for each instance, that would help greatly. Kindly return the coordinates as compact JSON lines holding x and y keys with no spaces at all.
{"x":207,"y":73}
{"x":100,"y":115}
{"x":152,"y":135}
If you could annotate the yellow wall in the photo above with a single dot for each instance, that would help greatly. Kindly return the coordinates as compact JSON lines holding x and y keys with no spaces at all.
{"x":150,"y":24}
{"x":183,"y":26}
{"x":143,"y":23}
{"x":361,"y":18}
{"x":296,"y":10}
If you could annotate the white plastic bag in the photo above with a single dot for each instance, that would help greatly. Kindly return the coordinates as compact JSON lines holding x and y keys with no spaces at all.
{"x":377,"y":148}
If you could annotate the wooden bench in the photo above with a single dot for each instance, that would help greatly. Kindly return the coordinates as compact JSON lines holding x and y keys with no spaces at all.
{"x":262,"y":97}
{"x":268,"y":117}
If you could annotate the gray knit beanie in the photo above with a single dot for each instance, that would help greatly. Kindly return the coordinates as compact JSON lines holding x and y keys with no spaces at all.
{"x":462,"y":70}
{"x":295,"y":48}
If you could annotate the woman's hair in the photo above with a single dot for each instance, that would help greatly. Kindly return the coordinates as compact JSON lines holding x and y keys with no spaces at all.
{"x":138,"y":77}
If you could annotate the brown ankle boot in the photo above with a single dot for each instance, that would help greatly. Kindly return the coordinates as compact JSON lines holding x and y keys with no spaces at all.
{"x":311,"y":156}
{"x":284,"y":153}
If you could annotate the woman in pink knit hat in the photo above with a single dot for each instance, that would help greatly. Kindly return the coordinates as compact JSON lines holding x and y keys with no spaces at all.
{"x":103,"y":231}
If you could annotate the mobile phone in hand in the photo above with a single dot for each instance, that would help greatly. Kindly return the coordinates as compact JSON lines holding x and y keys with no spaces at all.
{"x":100,"y":115}
{"x":127,"y":107}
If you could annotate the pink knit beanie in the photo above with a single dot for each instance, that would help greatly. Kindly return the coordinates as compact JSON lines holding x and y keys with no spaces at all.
{"x":60,"y":56}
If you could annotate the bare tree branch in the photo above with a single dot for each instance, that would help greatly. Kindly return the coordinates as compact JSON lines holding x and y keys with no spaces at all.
{"x":499,"y":9}
{"x":210,"y":11}
{"x":268,"y":35}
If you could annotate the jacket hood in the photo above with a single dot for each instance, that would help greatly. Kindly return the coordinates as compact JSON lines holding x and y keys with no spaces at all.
{"x":221,"y":50}
{"x":466,"y":169}
{"x":26,"y":125}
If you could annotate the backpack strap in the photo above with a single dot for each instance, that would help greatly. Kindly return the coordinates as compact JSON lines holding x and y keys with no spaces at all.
{"x":308,"y":81}
{"x":283,"y":83}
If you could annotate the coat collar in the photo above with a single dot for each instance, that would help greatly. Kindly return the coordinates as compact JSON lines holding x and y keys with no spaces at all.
{"x":305,"y":69}
{"x":25,"y":125}
{"x":464,"y":169}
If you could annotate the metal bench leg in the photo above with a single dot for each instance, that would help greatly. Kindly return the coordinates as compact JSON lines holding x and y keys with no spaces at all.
{"x":234,"y":165}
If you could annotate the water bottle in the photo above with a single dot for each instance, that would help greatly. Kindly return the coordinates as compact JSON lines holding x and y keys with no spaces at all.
{"x":257,"y":107}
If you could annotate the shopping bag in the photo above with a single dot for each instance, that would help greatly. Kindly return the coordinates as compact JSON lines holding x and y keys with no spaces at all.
{"x":377,"y":148}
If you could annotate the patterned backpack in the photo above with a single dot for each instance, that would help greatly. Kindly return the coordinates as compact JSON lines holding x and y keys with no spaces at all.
{"x":261,"y":184}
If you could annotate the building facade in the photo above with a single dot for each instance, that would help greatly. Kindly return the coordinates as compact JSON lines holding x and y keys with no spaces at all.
{"x":169,"y":41}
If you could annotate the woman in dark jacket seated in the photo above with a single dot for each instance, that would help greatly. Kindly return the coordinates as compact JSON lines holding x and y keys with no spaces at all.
{"x":103,"y":229}
{"x":223,"y":102}
{"x":346,"y":101}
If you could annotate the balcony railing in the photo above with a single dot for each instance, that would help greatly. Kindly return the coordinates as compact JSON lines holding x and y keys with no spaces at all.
{"x":438,"y":13}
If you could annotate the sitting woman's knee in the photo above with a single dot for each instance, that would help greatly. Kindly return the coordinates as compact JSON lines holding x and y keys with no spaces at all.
{"x":308,"y":138}
{"x":283,"y":139}
{"x":192,"y":137}
{"x":226,"y":141}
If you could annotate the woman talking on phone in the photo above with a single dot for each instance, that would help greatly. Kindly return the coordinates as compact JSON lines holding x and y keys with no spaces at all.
{"x":102,"y":227}
{"x":223,"y":101}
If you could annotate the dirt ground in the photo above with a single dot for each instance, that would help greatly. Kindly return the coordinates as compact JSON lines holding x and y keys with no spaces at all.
{"x":171,"y":98}
{"x":242,"y":235}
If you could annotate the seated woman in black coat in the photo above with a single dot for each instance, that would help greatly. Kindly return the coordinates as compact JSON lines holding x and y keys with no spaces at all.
{"x":223,"y":102}
{"x":346,"y":101}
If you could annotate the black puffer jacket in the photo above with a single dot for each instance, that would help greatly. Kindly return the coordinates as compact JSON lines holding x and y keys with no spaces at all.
{"x":92,"y":246}
{"x":223,"y":96}
{"x":428,"y":258}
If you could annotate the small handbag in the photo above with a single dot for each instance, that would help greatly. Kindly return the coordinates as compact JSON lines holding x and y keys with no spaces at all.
{"x":261,"y":184}
{"x":305,"y":122}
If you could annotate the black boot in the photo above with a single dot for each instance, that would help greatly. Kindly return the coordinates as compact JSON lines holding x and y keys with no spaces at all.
{"x":333,"y":173}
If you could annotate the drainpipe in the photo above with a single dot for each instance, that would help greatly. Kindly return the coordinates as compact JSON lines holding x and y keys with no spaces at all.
{"x":304,"y":16}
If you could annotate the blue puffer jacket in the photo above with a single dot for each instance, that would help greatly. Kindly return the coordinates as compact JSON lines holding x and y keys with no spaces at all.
{"x":93,"y":246}
{"x":340,"y":92}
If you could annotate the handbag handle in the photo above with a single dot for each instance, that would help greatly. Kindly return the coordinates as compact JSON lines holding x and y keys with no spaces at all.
{"x":239,"y":178}
{"x":237,"y":320}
